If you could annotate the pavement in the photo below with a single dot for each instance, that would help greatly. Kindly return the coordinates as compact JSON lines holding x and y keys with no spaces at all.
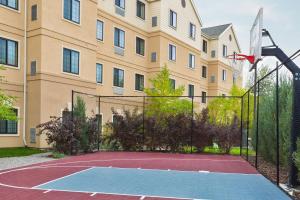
{"x":14,"y":162}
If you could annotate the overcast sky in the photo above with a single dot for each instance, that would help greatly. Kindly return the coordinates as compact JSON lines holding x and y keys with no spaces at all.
{"x":281,"y":19}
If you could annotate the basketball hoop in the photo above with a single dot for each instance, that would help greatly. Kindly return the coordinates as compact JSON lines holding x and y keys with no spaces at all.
{"x":242,"y":57}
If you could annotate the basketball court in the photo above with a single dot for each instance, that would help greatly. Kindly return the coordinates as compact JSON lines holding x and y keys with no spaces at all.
{"x":137,"y":176}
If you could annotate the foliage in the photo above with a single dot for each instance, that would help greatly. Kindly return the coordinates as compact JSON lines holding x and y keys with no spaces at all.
{"x":57,"y":155}
{"x":296,"y":157}
{"x":161,"y":86}
{"x":18,"y":152}
{"x":267,"y":119}
{"x":223,"y":110}
{"x":6,"y":104}
{"x":69,"y":135}
{"x":168,"y":132}
{"x":189,"y":149}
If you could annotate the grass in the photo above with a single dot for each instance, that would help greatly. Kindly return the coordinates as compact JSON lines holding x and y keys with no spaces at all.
{"x":57,"y":155}
{"x":233,"y":151}
{"x":18,"y":152}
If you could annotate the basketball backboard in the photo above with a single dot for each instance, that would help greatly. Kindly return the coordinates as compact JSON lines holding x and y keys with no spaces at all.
{"x":256,"y":38}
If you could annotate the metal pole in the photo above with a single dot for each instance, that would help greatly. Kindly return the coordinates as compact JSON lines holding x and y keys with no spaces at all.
{"x":257,"y":124}
{"x":72,"y":109}
{"x":192,"y":124}
{"x":241,"y":140}
{"x":248,"y":119}
{"x":144,"y":98}
{"x":277,"y":124}
{"x":100,"y":128}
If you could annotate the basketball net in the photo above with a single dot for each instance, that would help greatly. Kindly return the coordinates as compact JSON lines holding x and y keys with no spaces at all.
{"x":236,"y":61}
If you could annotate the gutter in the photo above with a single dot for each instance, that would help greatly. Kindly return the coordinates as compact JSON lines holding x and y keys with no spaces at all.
{"x":25,"y":74}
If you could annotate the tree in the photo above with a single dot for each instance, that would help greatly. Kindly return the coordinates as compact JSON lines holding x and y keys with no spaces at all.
{"x":6,"y":104}
{"x":164,"y":99}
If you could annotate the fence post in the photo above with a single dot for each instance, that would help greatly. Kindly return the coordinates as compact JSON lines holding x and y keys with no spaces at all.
{"x":248,"y":121}
{"x":241,"y":139}
{"x":100,"y":128}
{"x":257,"y":124}
{"x":144,"y":120}
{"x":192,"y":124}
{"x":277,"y":124}
{"x":72,"y":115}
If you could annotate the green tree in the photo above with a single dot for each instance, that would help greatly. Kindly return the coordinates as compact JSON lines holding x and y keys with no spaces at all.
{"x":223,"y":110}
{"x":170,"y":103}
{"x":6,"y":104}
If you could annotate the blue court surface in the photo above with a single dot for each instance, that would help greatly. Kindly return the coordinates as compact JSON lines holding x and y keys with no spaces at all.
{"x":172,"y":184}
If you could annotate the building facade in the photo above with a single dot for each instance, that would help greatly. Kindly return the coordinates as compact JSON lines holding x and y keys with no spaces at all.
{"x":103,"y":47}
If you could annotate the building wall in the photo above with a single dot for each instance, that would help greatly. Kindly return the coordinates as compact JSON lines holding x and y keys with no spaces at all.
{"x":49,"y":91}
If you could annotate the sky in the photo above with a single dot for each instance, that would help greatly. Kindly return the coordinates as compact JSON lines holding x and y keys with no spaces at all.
{"x":281,"y":19}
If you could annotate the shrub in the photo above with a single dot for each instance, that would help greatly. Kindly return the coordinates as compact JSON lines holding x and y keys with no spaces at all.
{"x":189,"y":149}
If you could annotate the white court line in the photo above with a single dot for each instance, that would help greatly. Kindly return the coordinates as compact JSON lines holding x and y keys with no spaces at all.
{"x":143,"y":197}
{"x":47,"y":191}
{"x":93,"y":194}
{"x":63,"y":177}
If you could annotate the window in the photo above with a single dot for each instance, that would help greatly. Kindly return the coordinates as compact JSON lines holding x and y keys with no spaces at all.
{"x":224,"y":75}
{"x":139,"y":82}
{"x":72,"y":10}
{"x":173,"y":19}
{"x":119,"y":38}
{"x":223,"y":95}
{"x":204,"y":71}
{"x":8,"y":52}
{"x":191,"y":90}
{"x":204,"y":46}
{"x":99,"y":73}
{"x":140,"y":9}
{"x":120,"y":3}
{"x":203,"y":99}
{"x":140,"y":46}
{"x":153,"y":57}
{"x":192,"y":31}
{"x":118,"y":77}
{"x":71,"y":61}
{"x":224,"y":51}
{"x":154,"y":21}
{"x":192,"y":61}
{"x":213,"y":53}
{"x":14,"y":4}
{"x":99,"y":30}
{"x":33,"y":12}
{"x":172,"y":52}
{"x":9,"y":127}
{"x":173,"y":84}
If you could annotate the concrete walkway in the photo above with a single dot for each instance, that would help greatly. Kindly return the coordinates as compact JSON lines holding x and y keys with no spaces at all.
{"x":13,"y":162}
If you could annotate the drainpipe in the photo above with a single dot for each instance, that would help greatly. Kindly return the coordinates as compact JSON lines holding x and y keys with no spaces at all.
{"x":25,"y":74}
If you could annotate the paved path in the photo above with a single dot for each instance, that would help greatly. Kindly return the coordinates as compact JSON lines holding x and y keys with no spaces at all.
{"x":13,"y":162}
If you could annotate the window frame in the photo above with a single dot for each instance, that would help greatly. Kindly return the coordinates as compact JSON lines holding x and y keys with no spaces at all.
{"x":191,"y":86}
{"x":192,"y":32}
{"x":120,"y":4}
{"x":204,"y":75}
{"x":114,"y":81}
{"x":16,"y":66}
{"x":143,"y":5}
{"x":14,"y":8}
{"x":34,"y":17}
{"x":71,"y":13}
{"x":172,"y":13}
{"x":102,"y":36}
{"x":170,"y":50}
{"x":7,"y":134}
{"x":204,"y":46}
{"x":138,"y":87}
{"x":137,"y":42}
{"x":75,"y":51}
{"x":204,"y":97}
{"x":225,"y":51}
{"x":119,"y":39}
{"x":99,"y":82}
{"x":192,"y":65}
{"x":224,"y":75}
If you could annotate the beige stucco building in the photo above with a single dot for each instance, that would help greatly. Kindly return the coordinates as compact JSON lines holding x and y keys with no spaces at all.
{"x":103,"y":47}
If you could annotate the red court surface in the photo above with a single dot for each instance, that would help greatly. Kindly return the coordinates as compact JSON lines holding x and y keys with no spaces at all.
{"x":18,"y":183}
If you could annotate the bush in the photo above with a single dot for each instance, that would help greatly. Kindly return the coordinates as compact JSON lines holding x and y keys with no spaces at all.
{"x":189,"y":149}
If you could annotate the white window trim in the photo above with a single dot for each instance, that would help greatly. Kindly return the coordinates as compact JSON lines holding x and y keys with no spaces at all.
{"x":135,"y":80}
{"x":169,"y":53}
{"x":114,"y":27}
{"x":18,"y":133}
{"x":192,"y":67}
{"x":173,"y":27}
{"x":113,"y":77}
{"x":62,"y":61}
{"x":70,"y":21}
{"x":19,"y":51}
{"x":102,"y":74}
{"x":191,"y":37}
{"x":12,"y":9}
{"x":144,"y":20}
{"x":145,"y":48}
{"x":99,"y":40}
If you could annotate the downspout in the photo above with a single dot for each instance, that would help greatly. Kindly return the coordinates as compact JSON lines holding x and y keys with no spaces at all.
{"x":25,"y":74}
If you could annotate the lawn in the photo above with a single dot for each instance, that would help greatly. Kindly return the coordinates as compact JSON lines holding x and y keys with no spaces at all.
{"x":234,"y":151}
{"x":18,"y":152}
